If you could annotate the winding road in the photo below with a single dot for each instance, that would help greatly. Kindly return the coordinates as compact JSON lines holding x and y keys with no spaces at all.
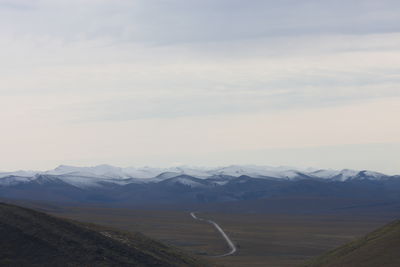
{"x":231,"y":245}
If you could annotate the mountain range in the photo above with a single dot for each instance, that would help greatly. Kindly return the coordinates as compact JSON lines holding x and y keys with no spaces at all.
{"x":185,"y":185}
{"x":148,"y":174}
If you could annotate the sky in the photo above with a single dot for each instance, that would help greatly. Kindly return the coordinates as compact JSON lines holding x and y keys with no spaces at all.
{"x":302,"y":83}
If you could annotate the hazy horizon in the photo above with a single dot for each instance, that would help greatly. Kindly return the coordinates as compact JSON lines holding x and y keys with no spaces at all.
{"x":214,"y":165}
{"x":214,"y":82}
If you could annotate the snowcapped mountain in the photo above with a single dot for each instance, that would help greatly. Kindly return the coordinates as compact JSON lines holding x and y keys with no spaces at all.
{"x":339,"y":175}
{"x":184,"y":184}
{"x":9,"y":180}
{"x":18,"y":173}
{"x":346,"y":174}
{"x":106,"y":171}
{"x":258,"y":171}
{"x":185,"y":180}
{"x":75,"y":175}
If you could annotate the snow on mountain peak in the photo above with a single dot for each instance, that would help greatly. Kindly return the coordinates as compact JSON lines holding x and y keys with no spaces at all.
{"x":92,"y":176}
{"x":258,"y":171}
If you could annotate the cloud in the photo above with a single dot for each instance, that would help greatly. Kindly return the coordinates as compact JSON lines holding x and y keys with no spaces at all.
{"x":177,"y":21}
{"x":19,"y":5}
{"x":77,"y":64}
{"x":125,"y":82}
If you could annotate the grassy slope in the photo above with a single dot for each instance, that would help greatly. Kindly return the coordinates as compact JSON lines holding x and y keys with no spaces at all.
{"x":272,"y":239}
{"x":31,"y":238}
{"x":379,"y":248}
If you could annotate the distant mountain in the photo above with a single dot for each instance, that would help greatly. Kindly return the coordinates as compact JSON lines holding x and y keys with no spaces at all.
{"x":31,"y":238}
{"x":177,"y":185}
{"x":379,"y":248}
{"x":107,"y":172}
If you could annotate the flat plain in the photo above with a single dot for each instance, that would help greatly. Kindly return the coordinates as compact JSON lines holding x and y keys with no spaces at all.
{"x":262,"y":239}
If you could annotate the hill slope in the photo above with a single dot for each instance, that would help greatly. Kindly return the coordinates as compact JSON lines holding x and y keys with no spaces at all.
{"x":379,"y":248}
{"x":31,"y":238}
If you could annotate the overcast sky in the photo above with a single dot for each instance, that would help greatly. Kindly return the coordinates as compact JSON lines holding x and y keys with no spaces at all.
{"x":201,"y":82}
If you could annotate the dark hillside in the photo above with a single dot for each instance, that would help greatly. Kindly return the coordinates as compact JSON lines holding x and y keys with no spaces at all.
{"x":379,"y":248}
{"x":31,"y":238}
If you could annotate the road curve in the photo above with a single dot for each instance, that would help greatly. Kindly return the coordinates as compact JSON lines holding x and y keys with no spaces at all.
{"x":231,"y":245}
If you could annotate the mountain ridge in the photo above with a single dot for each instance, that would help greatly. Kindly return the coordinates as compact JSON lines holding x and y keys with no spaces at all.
{"x":146,"y":173}
{"x":234,"y":183}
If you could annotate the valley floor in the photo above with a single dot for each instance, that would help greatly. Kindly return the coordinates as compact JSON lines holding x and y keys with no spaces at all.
{"x":262,"y":239}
